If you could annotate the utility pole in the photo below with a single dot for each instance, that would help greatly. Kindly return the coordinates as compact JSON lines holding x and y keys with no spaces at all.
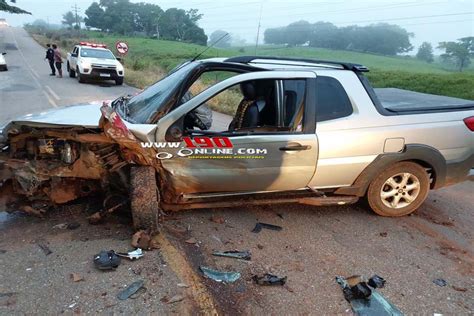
{"x":75,"y":9}
{"x":258,"y":28}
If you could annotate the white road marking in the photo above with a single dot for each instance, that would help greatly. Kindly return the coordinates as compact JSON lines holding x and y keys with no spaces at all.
{"x":32,"y":72}
{"x":52,"y":93}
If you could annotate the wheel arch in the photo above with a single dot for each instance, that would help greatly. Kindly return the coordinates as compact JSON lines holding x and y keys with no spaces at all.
{"x":426,"y":156}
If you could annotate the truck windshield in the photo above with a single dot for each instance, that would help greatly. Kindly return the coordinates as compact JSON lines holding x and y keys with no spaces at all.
{"x":97,"y":53}
{"x":143,"y":106}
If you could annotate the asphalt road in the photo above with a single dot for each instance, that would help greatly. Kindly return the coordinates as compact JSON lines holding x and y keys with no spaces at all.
{"x":314,"y":246}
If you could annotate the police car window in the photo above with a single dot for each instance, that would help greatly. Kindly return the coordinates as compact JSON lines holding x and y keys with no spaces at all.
{"x":332,"y":100}
{"x":97,"y":53}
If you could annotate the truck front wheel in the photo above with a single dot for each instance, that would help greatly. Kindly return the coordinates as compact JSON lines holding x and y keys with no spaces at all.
{"x":72,"y":73}
{"x":399,"y":190}
{"x":119,"y":81}
{"x":144,"y":197}
{"x":80,"y":77}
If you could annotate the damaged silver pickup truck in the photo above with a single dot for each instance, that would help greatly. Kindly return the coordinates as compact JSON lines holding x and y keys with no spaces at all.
{"x":303,"y":131}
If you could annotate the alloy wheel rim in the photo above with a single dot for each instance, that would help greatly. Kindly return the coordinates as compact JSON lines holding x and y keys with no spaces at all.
{"x":400,"y":190}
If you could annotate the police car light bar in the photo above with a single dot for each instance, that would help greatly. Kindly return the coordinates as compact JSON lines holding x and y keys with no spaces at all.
{"x":92,"y":44}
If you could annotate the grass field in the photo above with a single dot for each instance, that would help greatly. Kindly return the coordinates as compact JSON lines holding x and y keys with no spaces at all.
{"x":149,"y":59}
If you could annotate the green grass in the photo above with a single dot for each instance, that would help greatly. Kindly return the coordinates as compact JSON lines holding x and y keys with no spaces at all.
{"x":149,"y":59}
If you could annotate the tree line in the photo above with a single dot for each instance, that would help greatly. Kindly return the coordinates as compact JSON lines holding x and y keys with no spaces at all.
{"x":382,"y":38}
{"x":126,"y":18}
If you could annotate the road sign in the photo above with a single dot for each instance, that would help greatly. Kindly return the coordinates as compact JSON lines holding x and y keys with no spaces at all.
{"x":122,"y":48}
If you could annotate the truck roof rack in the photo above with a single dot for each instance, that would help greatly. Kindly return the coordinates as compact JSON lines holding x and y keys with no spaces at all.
{"x":317,"y":63}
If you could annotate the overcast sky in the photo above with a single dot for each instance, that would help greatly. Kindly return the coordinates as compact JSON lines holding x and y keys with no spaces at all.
{"x":429,"y":20}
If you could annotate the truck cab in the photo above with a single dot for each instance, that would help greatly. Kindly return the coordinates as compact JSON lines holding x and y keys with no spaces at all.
{"x":94,"y":61}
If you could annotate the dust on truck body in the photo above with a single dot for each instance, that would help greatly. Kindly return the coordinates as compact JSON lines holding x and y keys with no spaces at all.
{"x":329,"y":138}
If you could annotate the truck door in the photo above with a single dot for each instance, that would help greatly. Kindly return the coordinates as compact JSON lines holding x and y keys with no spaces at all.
{"x":279,"y":153}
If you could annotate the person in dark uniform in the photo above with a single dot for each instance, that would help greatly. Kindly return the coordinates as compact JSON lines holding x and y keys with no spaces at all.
{"x":50,"y":58}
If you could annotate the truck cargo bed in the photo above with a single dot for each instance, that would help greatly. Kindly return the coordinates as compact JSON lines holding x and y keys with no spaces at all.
{"x":399,"y":100}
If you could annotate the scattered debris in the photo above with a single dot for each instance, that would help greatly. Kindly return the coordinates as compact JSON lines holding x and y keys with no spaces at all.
{"x":36,"y":212}
{"x":138,"y":293}
{"x":183,"y":285}
{"x":217,"y":219}
{"x":132,"y":255}
{"x":245,"y":255}
{"x":72,"y":305}
{"x":364,"y":299}
{"x":95,"y":218}
{"x":377,"y":282}
{"x":106,"y":260}
{"x":76,"y":277}
{"x":44,"y":247}
{"x":174,"y":299}
{"x":73,"y":225}
{"x":2,"y":251}
{"x":191,"y":240}
{"x":259,"y":246}
{"x":459,"y":289}
{"x":130,"y":290}
{"x":220,"y":276}
{"x":383,"y":234}
{"x":280,"y":215}
{"x":269,"y":279}
{"x":440,"y":282}
{"x":142,"y":239}
{"x":217,"y":239}
{"x":258,"y":227}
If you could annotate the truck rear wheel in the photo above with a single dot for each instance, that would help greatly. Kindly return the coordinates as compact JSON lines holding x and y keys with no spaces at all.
{"x":399,"y":190}
{"x":144,"y":198}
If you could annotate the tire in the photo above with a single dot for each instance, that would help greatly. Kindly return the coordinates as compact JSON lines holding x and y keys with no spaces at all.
{"x":399,"y":190}
{"x":119,"y":81}
{"x":144,"y":198}
{"x":72,"y":73}
{"x":80,"y":78}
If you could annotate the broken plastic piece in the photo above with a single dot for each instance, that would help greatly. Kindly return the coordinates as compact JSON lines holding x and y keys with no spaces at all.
{"x":130,"y":290}
{"x":245,"y":255}
{"x":355,"y":291}
{"x":440,"y":282}
{"x":106,"y":260}
{"x":220,"y":276}
{"x":135,"y":254}
{"x":269,"y":279}
{"x":259,"y":226}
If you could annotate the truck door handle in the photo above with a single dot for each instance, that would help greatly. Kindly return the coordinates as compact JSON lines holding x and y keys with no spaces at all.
{"x":295,"y":148}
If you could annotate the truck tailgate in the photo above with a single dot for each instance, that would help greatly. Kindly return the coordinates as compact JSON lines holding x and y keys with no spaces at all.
{"x":399,"y":100}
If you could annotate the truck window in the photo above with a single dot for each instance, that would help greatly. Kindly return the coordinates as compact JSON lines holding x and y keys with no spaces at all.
{"x":332,"y":100}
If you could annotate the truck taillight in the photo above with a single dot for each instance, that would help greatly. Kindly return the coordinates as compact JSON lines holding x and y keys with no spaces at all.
{"x":469,"y":121}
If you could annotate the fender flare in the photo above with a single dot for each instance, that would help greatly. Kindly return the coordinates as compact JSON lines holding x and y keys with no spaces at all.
{"x":426,"y":156}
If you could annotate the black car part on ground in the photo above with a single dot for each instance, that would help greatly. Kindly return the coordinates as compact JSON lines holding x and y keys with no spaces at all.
{"x":364,"y":299}
{"x":269,"y":279}
{"x":244,"y":255}
{"x":258,"y":227}
{"x":106,"y":260}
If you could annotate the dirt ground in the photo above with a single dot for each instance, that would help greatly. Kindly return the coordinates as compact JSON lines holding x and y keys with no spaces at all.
{"x":314,"y":246}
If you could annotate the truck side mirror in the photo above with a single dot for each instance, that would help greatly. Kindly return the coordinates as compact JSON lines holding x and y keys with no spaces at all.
{"x":118,"y":58}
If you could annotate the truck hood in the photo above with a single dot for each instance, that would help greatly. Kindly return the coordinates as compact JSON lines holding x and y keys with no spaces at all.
{"x":102,"y":61}
{"x":84,"y":115}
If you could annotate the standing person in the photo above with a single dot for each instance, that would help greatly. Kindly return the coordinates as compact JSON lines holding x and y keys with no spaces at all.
{"x":50,"y":58}
{"x":58,"y":60}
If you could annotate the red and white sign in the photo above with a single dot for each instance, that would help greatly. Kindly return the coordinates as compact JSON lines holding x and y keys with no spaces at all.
{"x":122,"y":48}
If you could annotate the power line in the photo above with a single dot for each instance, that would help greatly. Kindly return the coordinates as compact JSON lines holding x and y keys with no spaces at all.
{"x":75,"y":9}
